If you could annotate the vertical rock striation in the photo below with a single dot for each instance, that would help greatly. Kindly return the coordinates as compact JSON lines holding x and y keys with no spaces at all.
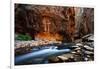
{"x":64,"y":23}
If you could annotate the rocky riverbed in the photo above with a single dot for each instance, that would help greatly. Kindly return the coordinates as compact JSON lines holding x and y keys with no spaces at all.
{"x":80,"y":51}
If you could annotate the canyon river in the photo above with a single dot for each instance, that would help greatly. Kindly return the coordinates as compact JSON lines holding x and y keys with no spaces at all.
{"x":40,"y":56}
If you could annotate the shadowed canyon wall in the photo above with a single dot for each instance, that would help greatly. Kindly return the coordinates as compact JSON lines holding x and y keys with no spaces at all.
{"x":61,"y":23}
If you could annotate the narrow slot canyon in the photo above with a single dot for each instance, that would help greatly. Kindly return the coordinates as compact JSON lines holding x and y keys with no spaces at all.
{"x":65,"y":33}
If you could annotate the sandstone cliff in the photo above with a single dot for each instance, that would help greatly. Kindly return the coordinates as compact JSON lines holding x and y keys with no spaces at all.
{"x":59,"y":22}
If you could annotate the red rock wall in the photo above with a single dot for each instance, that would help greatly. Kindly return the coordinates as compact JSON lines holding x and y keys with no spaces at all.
{"x":34,"y":19}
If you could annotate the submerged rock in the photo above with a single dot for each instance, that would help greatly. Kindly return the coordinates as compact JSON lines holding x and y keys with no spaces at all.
{"x":53,"y":59}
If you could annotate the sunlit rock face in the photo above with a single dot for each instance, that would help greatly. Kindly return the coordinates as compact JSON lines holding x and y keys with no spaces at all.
{"x":53,"y":22}
{"x":48,"y":36}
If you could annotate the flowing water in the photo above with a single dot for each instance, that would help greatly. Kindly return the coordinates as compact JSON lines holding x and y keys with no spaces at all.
{"x":38,"y":56}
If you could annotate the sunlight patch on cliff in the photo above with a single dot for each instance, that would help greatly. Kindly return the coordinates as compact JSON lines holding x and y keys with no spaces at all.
{"x":48,"y":36}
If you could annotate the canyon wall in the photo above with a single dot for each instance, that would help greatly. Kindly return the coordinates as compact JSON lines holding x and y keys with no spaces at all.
{"x":64,"y":23}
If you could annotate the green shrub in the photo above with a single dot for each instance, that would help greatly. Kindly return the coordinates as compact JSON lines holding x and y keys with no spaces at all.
{"x":23,"y":37}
